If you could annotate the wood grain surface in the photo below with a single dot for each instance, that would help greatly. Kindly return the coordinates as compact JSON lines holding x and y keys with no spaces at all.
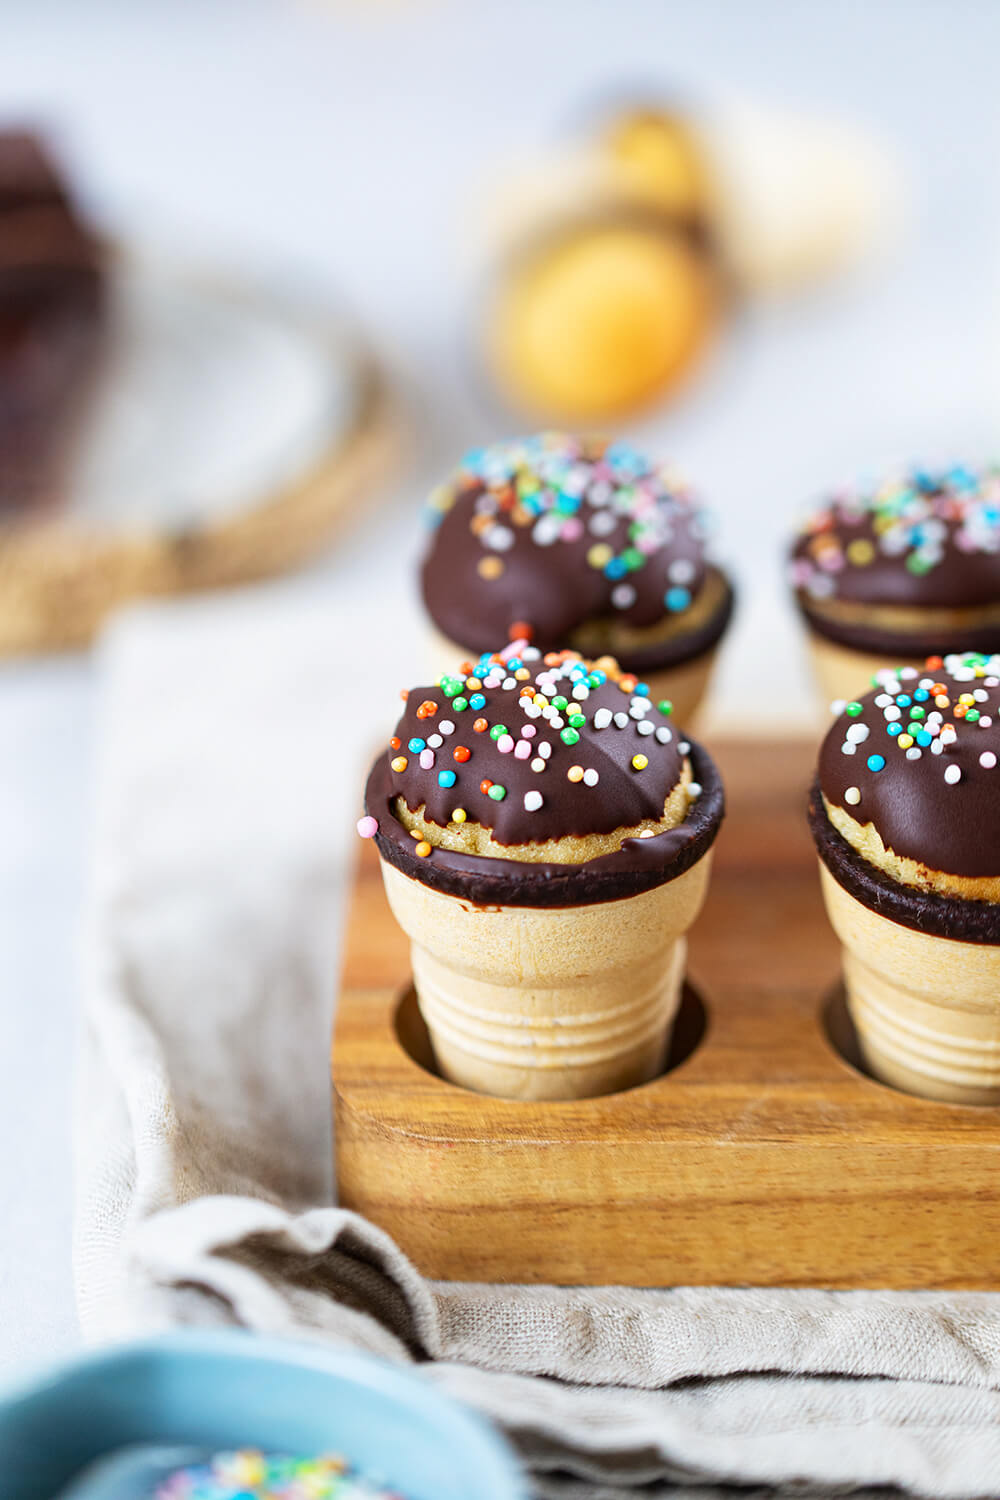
{"x":762,"y":1156}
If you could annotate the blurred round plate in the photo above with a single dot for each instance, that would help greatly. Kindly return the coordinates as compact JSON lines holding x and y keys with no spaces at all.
{"x":229,"y":428}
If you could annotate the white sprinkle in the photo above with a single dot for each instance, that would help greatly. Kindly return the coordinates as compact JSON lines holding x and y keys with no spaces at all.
{"x":532,"y":801}
{"x":645,"y":726}
{"x":581,"y":692}
{"x":505,"y":744}
{"x":892,"y":713}
{"x":545,"y":749}
{"x":602,"y":718}
{"x":681,"y":571}
{"x":446,"y":726}
{"x":537,"y":765}
{"x":621,"y":721}
{"x":852,"y":796}
{"x":908,"y":673}
{"x":557,"y":721}
{"x":639,"y":702}
{"x":883,"y":700}
{"x":499,"y":538}
{"x":590,"y":777}
{"x":985,"y":722}
{"x":936,"y":747}
{"x":509,"y":683}
{"x":837,"y":706}
{"x":980,"y":695}
{"x":426,"y":759}
{"x":637,"y":710}
{"x":987,"y":760}
{"x":530,"y":653}
{"x":435,"y":741}
{"x":693,"y":789}
{"x":522,"y":749}
{"x":848,"y":749}
{"x":664,"y":735}
{"x":602,"y":523}
{"x":858,"y":733}
{"x":531,"y":708}
{"x":952,"y":774}
{"x":684,"y":747}
{"x":991,"y":682}
{"x":914,"y":752}
{"x":623,"y":596}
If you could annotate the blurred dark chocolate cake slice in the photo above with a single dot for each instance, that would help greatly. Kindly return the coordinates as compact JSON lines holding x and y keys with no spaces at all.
{"x":52,"y":319}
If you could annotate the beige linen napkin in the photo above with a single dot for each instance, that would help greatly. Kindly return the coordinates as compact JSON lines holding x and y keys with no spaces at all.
{"x":234,"y":737}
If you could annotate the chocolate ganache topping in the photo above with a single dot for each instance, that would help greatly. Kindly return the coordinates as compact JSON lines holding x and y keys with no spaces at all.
{"x":545,"y":533}
{"x":919,"y":758}
{"x":536,"y":748}
{"x":920,"y":539}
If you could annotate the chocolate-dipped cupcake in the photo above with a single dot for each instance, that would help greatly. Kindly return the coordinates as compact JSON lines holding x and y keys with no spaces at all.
{"x":899,"y":573}
{"x":52,"y":322}
{"x":905,"y":812}
{"x":575,"y":542}
{"x":545,"y":834}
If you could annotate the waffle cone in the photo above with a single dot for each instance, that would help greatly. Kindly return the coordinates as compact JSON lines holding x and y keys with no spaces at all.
{"x":549,"y":1003}
{"x":843,"y":673}
{"x":684,"y":685}
{"x":926,"y":1009}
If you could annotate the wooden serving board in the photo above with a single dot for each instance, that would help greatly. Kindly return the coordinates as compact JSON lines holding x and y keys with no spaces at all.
{"x":762,"y":1156}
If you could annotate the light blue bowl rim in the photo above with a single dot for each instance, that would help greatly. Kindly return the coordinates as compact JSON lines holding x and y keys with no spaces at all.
{"x":496,"y":1463}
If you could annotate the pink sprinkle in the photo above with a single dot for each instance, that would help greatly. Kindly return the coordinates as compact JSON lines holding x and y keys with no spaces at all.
{"x":426,"y":759}
{"x":522,"y":750}
{"x":368,"y":827}
{"x":572,"y":530}
{"x":505,"y":744}
{"x":528,"y":732}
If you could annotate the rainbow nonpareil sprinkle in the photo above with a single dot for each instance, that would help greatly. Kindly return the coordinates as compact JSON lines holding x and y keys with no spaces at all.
{"x":251,"y":1475}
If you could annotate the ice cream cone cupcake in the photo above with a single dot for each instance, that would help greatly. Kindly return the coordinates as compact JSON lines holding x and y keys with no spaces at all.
{"x":899,"y":572}
{"x":545,"y":834}
{"x":581,"y":543}
{"x":905,"y":812}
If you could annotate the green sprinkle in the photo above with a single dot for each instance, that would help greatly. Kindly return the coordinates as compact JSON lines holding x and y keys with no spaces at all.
{"x":918,"y":713}
{"x":568,"y":736}
{"x":459,"y":703}
{"x":853,"y":709}
{"x":498,"y":731}
{"x":560,"y":702}
{"x":450,"y":686}
{"x":665,"y":706}
{"x":972,"y":715}
{"x":498,"y":793}
{"x":633,"y":559}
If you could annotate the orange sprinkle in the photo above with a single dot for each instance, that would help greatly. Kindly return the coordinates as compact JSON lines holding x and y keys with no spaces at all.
{"x":522,"y":674}
{"x":461,"y":752}
{"x":423,"y":849}
{"x":551,"y":658}
{"x":485,"y":785}
{"x":960,"y":710}
{"x":480,"y":726}
{"x":575,"y":773}
{"x":521,"y":631}
{"x":628,"y":683}
{"x":934,"y":663}
{"x":427,"y":708}
{"x":399,"y":764}
{"x":395,"y":742}
{"x":404,"y":693}
{"x":465,"y":667}
{"x":528,"y":692}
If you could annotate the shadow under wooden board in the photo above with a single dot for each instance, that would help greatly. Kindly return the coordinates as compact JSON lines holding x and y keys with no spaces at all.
{"x":762,"y":1156}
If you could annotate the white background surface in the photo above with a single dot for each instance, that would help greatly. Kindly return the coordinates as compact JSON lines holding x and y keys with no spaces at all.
{"x":343,"y":141}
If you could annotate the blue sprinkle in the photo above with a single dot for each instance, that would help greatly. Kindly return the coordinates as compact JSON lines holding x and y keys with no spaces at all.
{"x":642,"y":689}
{"x":904,"y":700}
{"x":920,"y":696}
{"x":893,"y":729}
{"x":416,"y":745}
{"x":597,"y":677}
{"x":923,"y":737}
{"x":446,"y":778}
{"x":677,"y":599}
{"x":876,"y":762}
{"x":616,"y":568}
{"x":477,"y":700}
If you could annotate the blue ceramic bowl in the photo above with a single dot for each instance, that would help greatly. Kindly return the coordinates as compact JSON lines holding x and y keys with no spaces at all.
{"x":227,"y":1389}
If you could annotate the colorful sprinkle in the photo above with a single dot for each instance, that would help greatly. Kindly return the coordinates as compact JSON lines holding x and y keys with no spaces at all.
{"x":852,"y":796}
{"x":368,"y":827}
